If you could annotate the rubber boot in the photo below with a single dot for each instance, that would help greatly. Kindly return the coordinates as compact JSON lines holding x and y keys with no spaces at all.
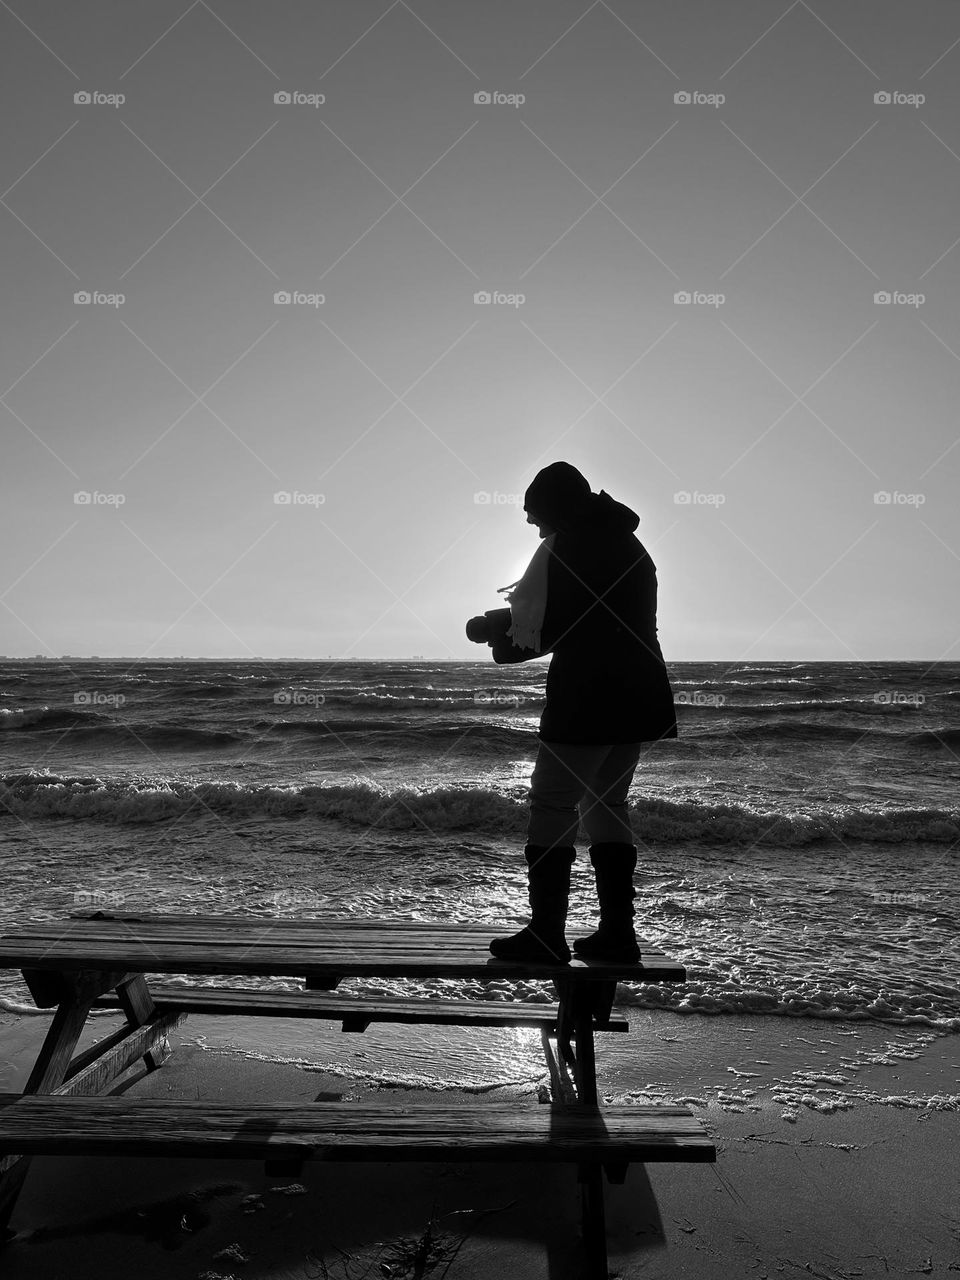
{"x":548,"y":877}
{"x":613,"y":866}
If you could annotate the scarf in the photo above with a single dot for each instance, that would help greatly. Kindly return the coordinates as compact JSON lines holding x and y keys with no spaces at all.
{"x":527,"y":598}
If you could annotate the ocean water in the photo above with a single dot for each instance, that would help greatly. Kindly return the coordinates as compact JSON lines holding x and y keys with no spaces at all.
{"x":798,"y":843}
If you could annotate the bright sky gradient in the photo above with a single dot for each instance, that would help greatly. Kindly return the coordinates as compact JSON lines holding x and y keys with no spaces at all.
{"x":783,"y":410}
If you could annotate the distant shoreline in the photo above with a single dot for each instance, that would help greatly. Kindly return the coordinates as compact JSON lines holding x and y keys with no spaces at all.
{"x":676,"y":662}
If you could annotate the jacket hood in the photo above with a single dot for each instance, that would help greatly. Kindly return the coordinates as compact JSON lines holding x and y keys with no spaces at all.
{"x":608,"y":514}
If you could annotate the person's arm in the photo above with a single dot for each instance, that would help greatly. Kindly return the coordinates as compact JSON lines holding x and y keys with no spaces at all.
{"x":567,"y":602}
{"x":504,"y":650}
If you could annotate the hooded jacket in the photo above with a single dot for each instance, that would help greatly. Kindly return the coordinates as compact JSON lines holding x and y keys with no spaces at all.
{"x":607,"y":681}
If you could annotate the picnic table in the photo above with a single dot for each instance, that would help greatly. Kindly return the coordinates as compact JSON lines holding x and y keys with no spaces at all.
{"x":102,"y":960}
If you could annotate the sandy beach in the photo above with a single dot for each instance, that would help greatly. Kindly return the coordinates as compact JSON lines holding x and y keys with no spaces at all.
{"x":481,"y":479}
{"x":868,"y":1191}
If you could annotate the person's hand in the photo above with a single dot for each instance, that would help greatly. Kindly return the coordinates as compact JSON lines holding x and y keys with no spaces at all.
{"x":478,"y":630}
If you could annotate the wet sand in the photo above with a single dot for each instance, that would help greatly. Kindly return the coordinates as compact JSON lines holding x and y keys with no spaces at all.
{"x":868,"y":1191}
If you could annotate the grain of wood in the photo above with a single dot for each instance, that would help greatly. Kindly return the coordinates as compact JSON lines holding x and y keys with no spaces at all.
{"x":353,"y":1130}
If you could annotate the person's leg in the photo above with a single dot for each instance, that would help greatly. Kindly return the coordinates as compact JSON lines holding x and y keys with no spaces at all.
{"x":561,"y":776}
{"x":604,"y":807}
{"x":614,"y":856}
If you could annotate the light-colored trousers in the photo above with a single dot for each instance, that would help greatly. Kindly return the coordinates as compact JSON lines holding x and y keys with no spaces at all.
{"x":574,"y":781}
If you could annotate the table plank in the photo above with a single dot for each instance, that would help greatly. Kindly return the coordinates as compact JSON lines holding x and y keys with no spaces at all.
{"x":152,"y":943}
{"x":352,"y":1130}
{"x":295,"y":1004}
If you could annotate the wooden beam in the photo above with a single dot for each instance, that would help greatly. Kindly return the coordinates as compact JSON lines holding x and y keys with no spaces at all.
{"x":561,"y":1086}
{"x":135,"y":1000}
{"x":126,"y":1046}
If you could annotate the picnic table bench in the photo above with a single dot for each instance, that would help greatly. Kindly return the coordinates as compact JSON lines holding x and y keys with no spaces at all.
{"x":99,"y":960}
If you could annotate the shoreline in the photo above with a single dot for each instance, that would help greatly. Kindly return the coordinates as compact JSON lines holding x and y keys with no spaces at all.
{"x":739,"y":1063}
{"x":864,"y":1191}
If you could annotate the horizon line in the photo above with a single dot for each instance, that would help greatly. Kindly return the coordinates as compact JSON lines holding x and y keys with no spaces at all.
{"x":79,"y":657}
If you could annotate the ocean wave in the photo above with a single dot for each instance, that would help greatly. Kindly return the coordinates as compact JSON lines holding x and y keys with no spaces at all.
{"x":793,"y":730}
{"x":86,"y":726}
{"x":22,"y":718}
{"x":37,"y":794}
{"x":426,"y":733}
{"x":10,"y":1004}
{"x":777,"y":670}
{"x":103,"y":729}
{"x":806,"y":706}
{"x":448,"y":808}
{"x":175,"y":735}
{"x":480,"y":698}
{"x":498,"y":725}
{"x":461,"y":699}
{"x":804,"y":1000}
{"x":936,"y":738}
{"x":349,"y":696}
{"x":205,"y":689}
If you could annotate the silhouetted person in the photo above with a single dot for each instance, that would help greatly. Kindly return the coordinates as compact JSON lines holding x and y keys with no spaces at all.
{"x":589,"y":597}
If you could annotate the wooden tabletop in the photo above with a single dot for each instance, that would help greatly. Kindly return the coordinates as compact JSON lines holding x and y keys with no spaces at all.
{"x":147,"y":942}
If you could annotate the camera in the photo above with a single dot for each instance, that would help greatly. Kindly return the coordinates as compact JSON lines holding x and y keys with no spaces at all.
{"x":478,"y":629}
{"x":488,"y":627}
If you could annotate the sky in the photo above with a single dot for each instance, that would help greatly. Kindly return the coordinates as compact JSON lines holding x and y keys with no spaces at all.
{"x":682,"y":215}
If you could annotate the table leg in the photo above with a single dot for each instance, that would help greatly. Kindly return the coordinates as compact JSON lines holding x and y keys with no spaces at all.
{"x":579,"y":1004}
{"x":59,"y":1043}
{"x":586,"y":1057}
{"x":48,"y":1072}
{"x":604,"y":994}
{"x":593,"y":1220}
{"x":575,"y":1023}
{"x":564,"y":990}
{"x":137,"y":1003}
{"x":76,"y":993}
